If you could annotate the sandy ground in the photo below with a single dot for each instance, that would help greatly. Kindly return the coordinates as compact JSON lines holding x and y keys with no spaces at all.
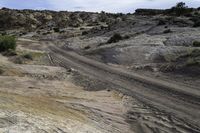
{"x":39,"y":98}
{"x":179,"y":104}
{"x":30,"y":105}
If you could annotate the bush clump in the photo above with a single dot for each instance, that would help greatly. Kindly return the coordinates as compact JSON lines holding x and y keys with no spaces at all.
{"x":56,"y":29}
{"x":7,"y":43}
{"x":115,"y":38}
{"x":149,"y":12}
{"x":87,"y":47}
{"x":167,"y":31}
{"x":196,"y":44}
{"x":180,"y":9}
{"x":161,"y":22}
{"x":85,"y":33}
{"x":196,"y":24}
{"x":196,"y":20}
{"x":28,"y":56}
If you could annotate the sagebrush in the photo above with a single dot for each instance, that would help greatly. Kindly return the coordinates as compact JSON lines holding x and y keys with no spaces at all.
{"x":7,"y":43}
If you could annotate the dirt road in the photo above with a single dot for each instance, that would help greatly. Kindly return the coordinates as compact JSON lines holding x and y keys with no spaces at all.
{"x":179,"y":103}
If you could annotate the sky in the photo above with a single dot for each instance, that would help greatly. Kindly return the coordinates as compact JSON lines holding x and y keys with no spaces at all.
{"x":114,"y":6}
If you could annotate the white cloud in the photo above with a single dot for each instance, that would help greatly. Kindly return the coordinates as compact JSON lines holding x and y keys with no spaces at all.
{"x":114,"y":5}
{"x":94,"y":5}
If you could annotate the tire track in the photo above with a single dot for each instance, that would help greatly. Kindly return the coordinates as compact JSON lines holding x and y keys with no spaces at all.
{"x":177,"y":102}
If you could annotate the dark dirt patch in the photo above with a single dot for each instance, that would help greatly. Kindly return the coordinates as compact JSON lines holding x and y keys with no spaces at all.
{"x":89,"y":83}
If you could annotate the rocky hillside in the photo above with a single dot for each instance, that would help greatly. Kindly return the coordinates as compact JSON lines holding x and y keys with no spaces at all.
{"x":100,"y":72}
{"x":116,"y":38}
{"x":34,"y":19}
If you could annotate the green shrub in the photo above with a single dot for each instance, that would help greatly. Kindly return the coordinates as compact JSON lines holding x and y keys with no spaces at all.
{"x":62,"y":31}
{"x":196,"y":44}
{"x":87,"y":47}
{"x":56,"y":29}
{"x":167,"y":31}
{"x":28,"y":56}
{"x":46,"y":33}
{"x":115,"y":38}
{"x":196,"y":20}
{"x":3,"y":33}
{"x":7,"y":42}
{"x":82,"y":28}
{"x":196,"y":24}
{"x":161,"y":22}
{"x":192,"y":62}
{"x":85,"y":33}
{"x":180,"y":9}
{"x":126,"y":37}
{"x":196,"y":13}
{"x":149,"y":11}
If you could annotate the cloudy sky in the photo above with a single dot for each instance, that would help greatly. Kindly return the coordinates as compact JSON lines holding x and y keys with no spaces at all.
{"x":94,"y":5}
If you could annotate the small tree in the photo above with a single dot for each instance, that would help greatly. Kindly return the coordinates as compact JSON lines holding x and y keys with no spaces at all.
{"x":180,"y":9}
{"x":181,"y":5}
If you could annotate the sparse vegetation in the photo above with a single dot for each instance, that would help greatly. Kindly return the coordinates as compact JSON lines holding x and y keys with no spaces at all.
{"x":167,"y":31}
{"x":3,"y":33}
{"x":7,"y":42}
{"x":196,"y":13}
{"x":189,"y":63}
{"x":149,"y":11}
{"x":62,"y":31}
{"x":193,"y":58}
{"x":87,"y":47}
{"x":46,"y":33}
{"x":196,"y":24}
{"x":56,"y":29}
{"x":1,"y":71}
{"x":84,"y":32}
{"x":10,"y":52}
{"x":161,"y":22}
{"x":18,"y":60}
{"x":192,"y":62}
{"x":180,"y":9}
{"x":196,"y":44}
{"x":115,"y":38}
{"x":28,"y":56}
{"x":126,"y":37}
{"x":196,"y":20}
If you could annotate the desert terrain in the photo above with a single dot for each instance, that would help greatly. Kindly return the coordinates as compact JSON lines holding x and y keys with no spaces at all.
{"x":84,"y":72}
